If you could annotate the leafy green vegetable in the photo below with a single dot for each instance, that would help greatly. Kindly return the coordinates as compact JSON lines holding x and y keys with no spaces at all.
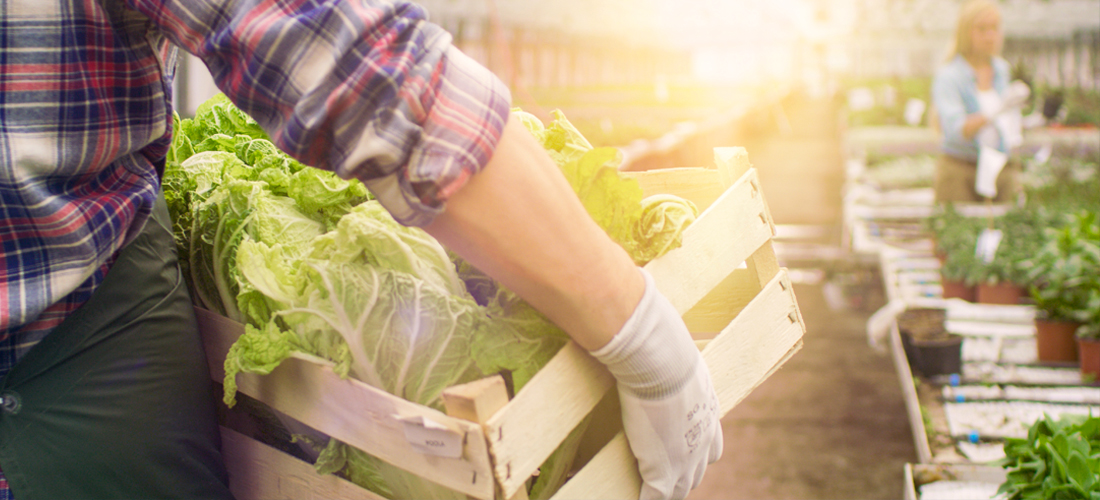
{"x":1060,"y":459}
{"x":613,"y":202}
{"x":371,"y":234}
{"x":257,"y":351}
{"x":218,"y":226}
{"x":661,"y":226}
{"x":323,"y":195}
{"x":645,"y":230}
{"x":224,"y":178}
{"x":521,"y":341}
{"x":1065,"y":272}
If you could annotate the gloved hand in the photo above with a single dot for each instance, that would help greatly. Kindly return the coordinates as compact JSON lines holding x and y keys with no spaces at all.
{"x":1015,"y":96}
{"x":670,"y":409}
{"x":1013,"y":99}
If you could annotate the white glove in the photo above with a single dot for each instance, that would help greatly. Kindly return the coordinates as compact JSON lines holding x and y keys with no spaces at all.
{"x":670,"y":409}
{"x":1015,"y":96}
{"x":1013,"y":99}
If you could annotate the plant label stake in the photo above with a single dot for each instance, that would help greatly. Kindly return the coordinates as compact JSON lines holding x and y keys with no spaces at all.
{"x":987,"y":245}
{"x":990,"y":164}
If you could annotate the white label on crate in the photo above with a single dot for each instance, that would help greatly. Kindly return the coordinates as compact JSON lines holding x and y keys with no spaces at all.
{"x":432,"y":438}
{"x":988,"y":242}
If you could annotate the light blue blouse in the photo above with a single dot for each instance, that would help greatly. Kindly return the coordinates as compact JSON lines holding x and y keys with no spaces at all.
{"x":955,"y":96}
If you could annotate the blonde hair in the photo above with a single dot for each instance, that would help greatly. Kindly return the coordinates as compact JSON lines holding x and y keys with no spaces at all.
{"x":968,"y":15}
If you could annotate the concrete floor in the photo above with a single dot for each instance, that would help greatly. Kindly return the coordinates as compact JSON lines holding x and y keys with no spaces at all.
{"x":831,"y":423}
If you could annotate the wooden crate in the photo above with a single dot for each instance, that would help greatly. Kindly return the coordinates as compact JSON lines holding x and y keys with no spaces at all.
{"x":917,"y":475}
{"x":738,"y":303}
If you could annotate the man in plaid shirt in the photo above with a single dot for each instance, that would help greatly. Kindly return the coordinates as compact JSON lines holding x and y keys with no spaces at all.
{"x":105,"y":389}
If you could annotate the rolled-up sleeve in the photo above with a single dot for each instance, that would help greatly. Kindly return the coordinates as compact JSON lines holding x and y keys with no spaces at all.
{"x":368,"y":89}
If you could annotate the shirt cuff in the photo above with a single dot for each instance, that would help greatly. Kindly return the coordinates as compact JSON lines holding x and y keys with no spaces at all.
{"x":463,"y":126}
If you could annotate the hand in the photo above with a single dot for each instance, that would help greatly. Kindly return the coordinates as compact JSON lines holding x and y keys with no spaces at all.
{"x":670,"y":409}
{"x":673,"y":438}
{"x":1015,"y":96}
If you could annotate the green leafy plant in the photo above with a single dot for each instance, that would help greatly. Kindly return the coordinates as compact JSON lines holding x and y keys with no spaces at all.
{"x":1023,"y":236}
{"x":1059,"y":460}
{"x":1063,"y":184}
{"x":956,"y":236}
{"x":1090,"y":318}
{"x":1065,"y":272}
{"x":903,"y":172}
{"x":1082,"y":107}
{"x":645,"y":227}
{"x":951,"y":230}
{"x":1024,"y":232}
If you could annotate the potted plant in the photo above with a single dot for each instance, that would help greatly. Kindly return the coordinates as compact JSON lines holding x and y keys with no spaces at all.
{"x":955,"y":236}
{"x":996,"y":284}
{"x":1003,"y":280}
{"x":944,"y":224}
{"x":1064,"y":274}
{"x":1088,"y":334}
{"x":930,"y":349}
{"x":1088,"y":339}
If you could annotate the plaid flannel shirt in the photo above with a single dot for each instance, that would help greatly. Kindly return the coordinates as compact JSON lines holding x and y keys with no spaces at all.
{"x":365,"y":88}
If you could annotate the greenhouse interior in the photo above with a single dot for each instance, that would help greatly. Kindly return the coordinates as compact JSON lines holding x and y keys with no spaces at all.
{"x":500,"y":249}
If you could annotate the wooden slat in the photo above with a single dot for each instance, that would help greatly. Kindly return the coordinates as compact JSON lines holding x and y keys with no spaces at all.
{"x":260,"y":472}
{"x":763,"y":264}
{"x":542,"y":415}
{"x":306,"y":389}
{"x":611,"y":474}
{"x":700,"y":186}
{"x":726,"y":300}
{"x":909,"y":488}
{"x":718,"y":307}
{"x":477,"y":401}
{"x":718,"y":242}
{"x":758,"y":340}
{"x":752,"y":347}
{"x":731,"y":164}
{"x":909,"y":393}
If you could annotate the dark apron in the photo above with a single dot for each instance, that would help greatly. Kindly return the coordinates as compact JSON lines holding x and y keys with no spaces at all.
{"x":117,"y":401}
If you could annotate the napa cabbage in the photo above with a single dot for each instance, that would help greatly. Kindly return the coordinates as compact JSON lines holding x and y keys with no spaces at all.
{"x":645,"y":227}
{"x":661,"y":225}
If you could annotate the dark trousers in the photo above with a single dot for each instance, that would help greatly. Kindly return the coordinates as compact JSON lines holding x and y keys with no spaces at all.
{"x":117,"y":401}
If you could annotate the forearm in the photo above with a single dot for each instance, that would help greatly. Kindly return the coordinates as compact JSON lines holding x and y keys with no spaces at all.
{"x":973,"y":124}
{"x":519,"y":221}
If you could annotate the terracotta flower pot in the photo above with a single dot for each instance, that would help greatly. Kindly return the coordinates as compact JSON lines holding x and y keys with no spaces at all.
{"x":1056,"y":341}
{"x":1088,"y":352}
{"x":1001,"y":293}
{"x":959,"y":290}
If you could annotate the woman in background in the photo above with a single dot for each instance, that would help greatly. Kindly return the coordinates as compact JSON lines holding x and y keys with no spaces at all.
{"x":974,"y":102}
